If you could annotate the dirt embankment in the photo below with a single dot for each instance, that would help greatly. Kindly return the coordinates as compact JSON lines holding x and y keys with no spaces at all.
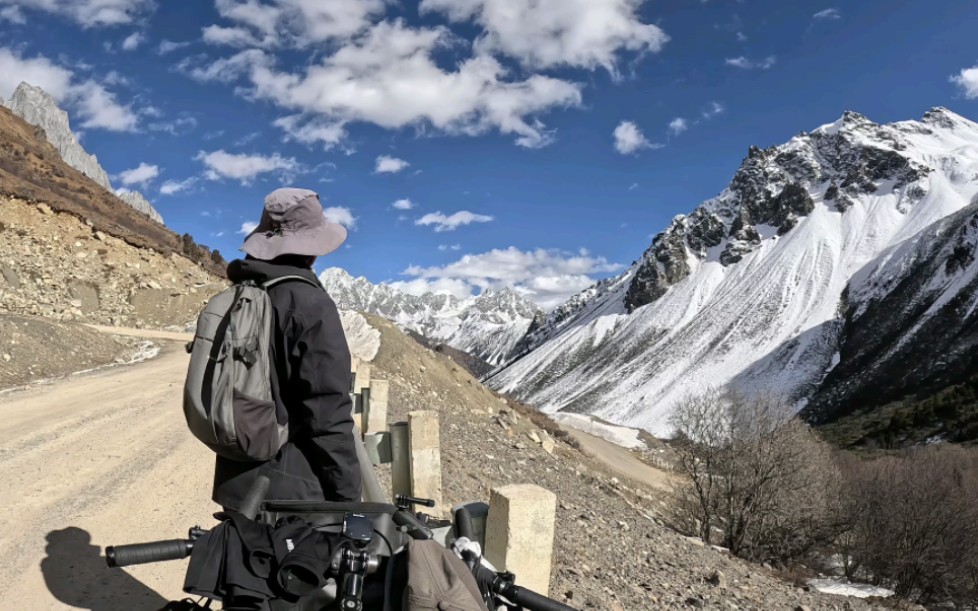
{"x":56,"y":266}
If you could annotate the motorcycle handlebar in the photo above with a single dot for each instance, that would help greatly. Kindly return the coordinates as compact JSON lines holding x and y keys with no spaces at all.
{"x":519,"y":596}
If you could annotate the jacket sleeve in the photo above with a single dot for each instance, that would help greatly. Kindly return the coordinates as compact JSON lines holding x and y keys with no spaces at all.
{"x":321,"y":377}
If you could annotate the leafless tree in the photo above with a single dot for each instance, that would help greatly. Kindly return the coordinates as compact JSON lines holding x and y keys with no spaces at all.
{"x":756,"y":476}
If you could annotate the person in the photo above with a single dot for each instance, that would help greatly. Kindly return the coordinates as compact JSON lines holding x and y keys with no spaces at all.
{"x":310,"y":360}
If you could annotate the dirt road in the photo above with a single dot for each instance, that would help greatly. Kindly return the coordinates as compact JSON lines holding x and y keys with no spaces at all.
{"x":621,"y":461}
{"x":90,"y":461}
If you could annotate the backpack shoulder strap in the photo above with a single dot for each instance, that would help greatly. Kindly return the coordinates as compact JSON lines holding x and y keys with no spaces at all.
{"x":274,"y":281}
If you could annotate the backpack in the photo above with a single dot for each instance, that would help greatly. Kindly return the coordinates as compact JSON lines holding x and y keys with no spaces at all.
{"x":227,"y":396}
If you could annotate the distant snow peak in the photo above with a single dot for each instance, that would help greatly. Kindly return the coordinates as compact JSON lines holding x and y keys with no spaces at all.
{"x":748,"y":288}
{"x":35,"y":106}
{"x":486,"y":326}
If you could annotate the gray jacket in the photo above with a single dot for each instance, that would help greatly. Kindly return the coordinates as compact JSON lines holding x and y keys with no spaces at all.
{"x":311,"y":387}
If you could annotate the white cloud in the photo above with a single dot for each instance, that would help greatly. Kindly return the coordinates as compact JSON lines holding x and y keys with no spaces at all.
{"x":829,"y":13}
{"x":389,"y":165}
{"x":633,"y":186}
{"x":311,"y":131}
{"x":91,"y":102}
{"x":343,"y":216}
{"x":13,"y":14}
{"x":967,"y":80}
{"x":177,"y":126}
{"x":87,"y":13}
{"x":549,"y":33}
{"x":741,"y":37}
{"x":172,"y":187}
{"x":404,"y":204}
{"x":132,"y":41}
{"x":97,"y":108}
{"x":452,"y":222}
{"x":678,"y":126}
{"x":389,"y":77}
{"x":247,"y":227}
{"x":139,"y":175}
{"x":749,"y":64}
{"x":244,"y":167}
{"x":713,"y":109}
{"x":167,"y":46}
{"x":296,"y":23}
{"x":38,"y":71}
{"x":546,"y":277}
{"x":450,"y":247}
{"x":629,"y":139}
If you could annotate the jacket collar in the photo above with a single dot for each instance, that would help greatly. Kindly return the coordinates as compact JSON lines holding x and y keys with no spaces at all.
{"x":263,"y":271}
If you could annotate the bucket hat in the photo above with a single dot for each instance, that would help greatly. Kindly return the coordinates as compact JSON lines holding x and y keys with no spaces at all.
{"x":292,"y":223}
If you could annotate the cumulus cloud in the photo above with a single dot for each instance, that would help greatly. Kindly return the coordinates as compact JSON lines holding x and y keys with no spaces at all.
{"x":243,"y":167}
{"x":546,"y":277}
{"x":293,"y":23}
{"x":678,"y":126}
{"x":87,"y":13}
{"x":452,"y":222}
{"x":829,"y":13}
{"x":549,"y":33}
{"x":629,"y":139}
{"x":967,"y":80}
{"x":172,"y":187}
{"x":312,"y":130}
{"x":247,"y":227}
{"x":389,"y":165}
{"x":389,"y":77}
{"x":341,"y":215}
{"x":167,"y":46}
{"x":98,"y":108}
{"x":749,"y":64}
{"x":404,"y":204}
{"x":132,"y":42}
{"x":139,"y":175}
{"x":713,"y":109}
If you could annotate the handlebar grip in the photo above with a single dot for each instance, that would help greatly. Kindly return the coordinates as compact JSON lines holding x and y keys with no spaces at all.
{"x":417,"y":530}
{"x":463,"y":524}
{"x":141,"y":553}
{"x":533,"y":601}
{"x":517,"y":595}
{"x":256,"y":494}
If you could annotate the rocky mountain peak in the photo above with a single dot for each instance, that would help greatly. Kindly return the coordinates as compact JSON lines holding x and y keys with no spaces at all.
{"x":37,"y":107}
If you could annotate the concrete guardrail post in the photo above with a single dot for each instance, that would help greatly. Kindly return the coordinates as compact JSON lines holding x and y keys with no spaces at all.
{"x":375,"y":409}
{"x":520,"y":533}
{"x":425,"y":457}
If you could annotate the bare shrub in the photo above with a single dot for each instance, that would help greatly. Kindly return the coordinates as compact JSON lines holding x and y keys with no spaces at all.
{"x":913,"y":523}
{"x":757,"y":480}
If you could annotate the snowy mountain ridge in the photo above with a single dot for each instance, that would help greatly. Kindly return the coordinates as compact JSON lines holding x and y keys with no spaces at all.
{"x":747,"y":288}
{"x":34,"y":105}
{"x":486,"y":326}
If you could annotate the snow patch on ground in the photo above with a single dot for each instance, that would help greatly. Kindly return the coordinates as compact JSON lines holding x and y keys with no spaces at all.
{"x":840,"y":587}
{"x":619,"y":435}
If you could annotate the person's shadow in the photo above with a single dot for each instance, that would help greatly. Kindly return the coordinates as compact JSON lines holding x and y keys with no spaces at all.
{"x":76,"y":574}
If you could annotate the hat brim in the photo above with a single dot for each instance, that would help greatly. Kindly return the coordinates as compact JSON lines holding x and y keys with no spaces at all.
{"x":312,"y":242}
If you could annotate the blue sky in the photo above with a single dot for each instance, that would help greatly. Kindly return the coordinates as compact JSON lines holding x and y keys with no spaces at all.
{"x":472,"y":143}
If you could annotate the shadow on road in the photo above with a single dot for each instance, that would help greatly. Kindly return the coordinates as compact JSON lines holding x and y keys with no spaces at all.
{"x":76,"y":574}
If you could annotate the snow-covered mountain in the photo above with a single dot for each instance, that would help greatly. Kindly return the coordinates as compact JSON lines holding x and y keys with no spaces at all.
{"x":34,"y":105}
{"x":487,"y":326}
{"x":911,"y":324}
{"x":749,"y":287}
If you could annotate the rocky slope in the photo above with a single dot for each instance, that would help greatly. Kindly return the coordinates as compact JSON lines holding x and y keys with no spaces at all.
{"x":35,"y":106}
{"x":747,"y":288}
{"x":613,"y":550}
{"x":487,"y":326}
{"x":59,"y":267}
